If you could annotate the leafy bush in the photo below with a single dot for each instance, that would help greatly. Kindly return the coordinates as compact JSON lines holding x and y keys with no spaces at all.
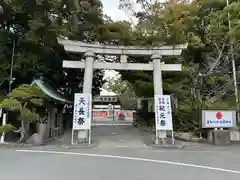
{"x":6,"y":128}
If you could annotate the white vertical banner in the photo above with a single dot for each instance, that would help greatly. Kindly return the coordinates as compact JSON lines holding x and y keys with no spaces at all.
{"x":163,"y":112}
{"x":4,"y":122}
{"x":82,"y":115}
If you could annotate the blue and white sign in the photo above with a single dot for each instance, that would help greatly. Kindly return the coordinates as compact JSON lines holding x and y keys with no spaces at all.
{"x":218,"y":119}
{"x":163,"y":112}
{"x":82,"y":114}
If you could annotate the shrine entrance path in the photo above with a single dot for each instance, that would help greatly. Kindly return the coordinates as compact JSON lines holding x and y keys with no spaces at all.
{"x":120,"y":136}
{"x":114,"y":136}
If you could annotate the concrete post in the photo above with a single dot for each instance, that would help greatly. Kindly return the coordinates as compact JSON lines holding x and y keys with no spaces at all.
{"x":4,"y":120}
{"x":158,"y":87}
{"x":87,"y":86}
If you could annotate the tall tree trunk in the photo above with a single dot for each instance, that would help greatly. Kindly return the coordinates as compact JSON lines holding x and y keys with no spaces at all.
{"x":23,"y":132}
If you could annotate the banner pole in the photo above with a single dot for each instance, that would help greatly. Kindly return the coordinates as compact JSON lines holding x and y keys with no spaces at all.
{"x":72,"y":136}
{"x":173,"y":140}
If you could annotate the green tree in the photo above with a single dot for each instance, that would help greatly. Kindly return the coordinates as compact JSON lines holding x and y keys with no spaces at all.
{"x":6,"y":128}
{"x":124,"y":90}
{"x":21,"y":101}
{"x":118,"y":86}
{"x":206,"y":76}
{"x":35,"y":26}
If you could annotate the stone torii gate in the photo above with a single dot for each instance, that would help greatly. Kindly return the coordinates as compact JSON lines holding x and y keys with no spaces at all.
{"x":91,"y":50}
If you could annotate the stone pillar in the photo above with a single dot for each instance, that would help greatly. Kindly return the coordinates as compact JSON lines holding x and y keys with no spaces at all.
{"x":53,"y":121}
{"x":87,"y":87}
{"x":48,"y":122}
{"x":43,"y":125}
{"x":42,"y":131}
{"x":60,"y":120}
{"x":88,"y":72}
{"x":123,"y":59}
{"x":158,"y":86}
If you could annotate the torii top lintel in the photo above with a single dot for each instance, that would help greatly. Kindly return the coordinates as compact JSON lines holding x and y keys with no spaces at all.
{"x":79,"y":47}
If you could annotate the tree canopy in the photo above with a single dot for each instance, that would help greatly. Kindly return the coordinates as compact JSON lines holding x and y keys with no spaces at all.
{"x":207,"y":77}
{"x":34,"y":27}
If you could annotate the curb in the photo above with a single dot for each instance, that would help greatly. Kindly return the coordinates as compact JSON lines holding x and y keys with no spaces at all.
{"x":177,"y":137}
{"x":65,"y":146}
{"x":195,"y":140}
{"x":166,"y":146}
{"x":82,"y":146}
{"x":204,"y":141}
{"x":19,"y":145}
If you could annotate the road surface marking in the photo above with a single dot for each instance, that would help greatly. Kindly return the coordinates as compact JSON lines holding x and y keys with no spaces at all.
{"x":132,"y":158}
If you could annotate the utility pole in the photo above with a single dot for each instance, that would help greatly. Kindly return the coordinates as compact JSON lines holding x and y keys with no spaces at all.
{"x":11,"y":67}
{"x":233,"y":67}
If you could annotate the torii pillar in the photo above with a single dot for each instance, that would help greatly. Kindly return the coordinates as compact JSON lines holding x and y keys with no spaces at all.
{"x":88,"y":72}
{"x":158,"y":86}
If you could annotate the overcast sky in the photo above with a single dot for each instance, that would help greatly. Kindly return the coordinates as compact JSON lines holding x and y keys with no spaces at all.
{"x":110,"y":7}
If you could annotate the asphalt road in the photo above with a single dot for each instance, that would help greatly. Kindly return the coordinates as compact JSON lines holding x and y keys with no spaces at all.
{"x":119,"y":162}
